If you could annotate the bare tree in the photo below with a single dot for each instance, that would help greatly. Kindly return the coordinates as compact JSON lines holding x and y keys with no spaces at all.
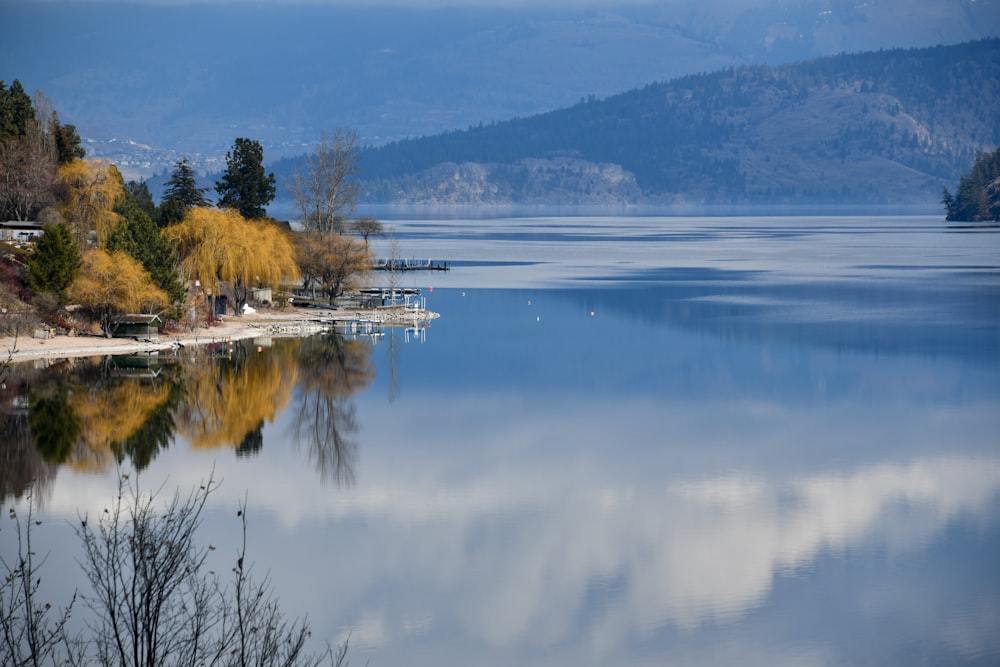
{"x":365,"y":227}
{"x":156,"y":603}
{"x":32,"y":632}
{"x":325,"y":194}
{"x":27,"y":175}
{"x":150,"y":600}
{"x":336,"y":262}
{"x":261,"y":634}
{"x":153,"y":602}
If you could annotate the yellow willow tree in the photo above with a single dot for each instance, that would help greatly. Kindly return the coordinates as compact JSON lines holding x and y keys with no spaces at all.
{"x":90,"y":190}
{"x":115,"y":283}
{"x":221,"y":245}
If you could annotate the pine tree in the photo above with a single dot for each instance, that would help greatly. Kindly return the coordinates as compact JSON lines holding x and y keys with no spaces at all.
{"x":55,"y":261}
{"x":17,"y":113}
{"x":244,"y":186}
{"x":181,"y":194}
{"x":978,"y":195}
{"x":67,"y":141}
{"x":139,"y":195}
{"x":138,"y":236}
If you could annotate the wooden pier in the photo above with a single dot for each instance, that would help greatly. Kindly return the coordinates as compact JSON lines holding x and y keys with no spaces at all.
{"x":384,"y":264}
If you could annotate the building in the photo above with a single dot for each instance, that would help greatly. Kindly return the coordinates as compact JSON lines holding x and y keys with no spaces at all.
{"x":20,"y":231}
{"x":142,"y":327}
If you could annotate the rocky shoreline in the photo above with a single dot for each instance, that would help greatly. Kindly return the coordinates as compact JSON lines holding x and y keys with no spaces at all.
{"x":273,"y":324}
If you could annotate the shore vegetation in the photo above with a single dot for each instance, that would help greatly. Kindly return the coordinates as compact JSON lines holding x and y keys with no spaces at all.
{"x":83,"y":247}
{"x":978,"y":196}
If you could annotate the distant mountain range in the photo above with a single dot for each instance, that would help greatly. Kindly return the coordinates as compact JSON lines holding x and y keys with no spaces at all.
{"x":148,"y":83}
{"x":887,"y":127}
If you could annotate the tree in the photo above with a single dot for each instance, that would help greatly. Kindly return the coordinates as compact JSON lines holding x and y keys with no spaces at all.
{"x":91,"y":191}
{"x":220,"y":245}
{"x":244,"y":185}
{"x":55,"y":262}
{"x":28,"y":634}
{"x":27,"y":175}
{"x":157,"y":602}
{"x":17,"y":114}
{"x":32,"y":145}
{"x":67,"y":141}
{"x":181,"y":194}
{"x":139,"y":236}
{"x":978,"y":196}
{"x":325,"y":195}
{"x":115,"y":283}
{"x":365,"y":227}
{"x":155,"y":598}
{"x":139,"y":195}
{"x":336,"y":261}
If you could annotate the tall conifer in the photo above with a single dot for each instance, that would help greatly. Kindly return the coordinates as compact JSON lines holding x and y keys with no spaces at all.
{"x":245,"y":187}
{"x":181,"y":194}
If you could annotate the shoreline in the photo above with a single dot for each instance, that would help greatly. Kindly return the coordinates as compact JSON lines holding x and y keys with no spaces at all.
{"x":291,"y":323}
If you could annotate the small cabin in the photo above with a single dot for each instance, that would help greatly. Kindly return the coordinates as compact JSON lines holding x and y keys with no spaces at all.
{"x":145,"y":327}
{"x":18,"y":231}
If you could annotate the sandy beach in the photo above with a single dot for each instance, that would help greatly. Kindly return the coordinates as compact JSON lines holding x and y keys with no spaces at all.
{"x":289,"y":322}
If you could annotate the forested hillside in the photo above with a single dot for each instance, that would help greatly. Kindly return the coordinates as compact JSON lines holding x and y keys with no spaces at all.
{"x":285,"y":72}
{"x":978,"y":195}
{"x":882,"y":127}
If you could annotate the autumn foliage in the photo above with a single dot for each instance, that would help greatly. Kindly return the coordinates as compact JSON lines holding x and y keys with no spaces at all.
{"x":91,"y":189}
{"x":115,"y":283}
{"x":221,"y":245}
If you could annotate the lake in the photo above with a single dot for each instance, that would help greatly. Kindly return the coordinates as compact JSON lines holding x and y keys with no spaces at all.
{"x":631,"y":441}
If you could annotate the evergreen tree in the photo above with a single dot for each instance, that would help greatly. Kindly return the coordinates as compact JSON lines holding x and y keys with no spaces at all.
{"x":244,"y":186}
{"x":978,"y":195}
{"x":139,"y":236}
{"x":138,"y":193}
{"x":67,"y":141}
{"x":55,"y":261}
{"x":181,"y":194}
{"x":17,"y":113}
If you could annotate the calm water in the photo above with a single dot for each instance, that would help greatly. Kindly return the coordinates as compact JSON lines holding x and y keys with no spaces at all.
{"x":626,"y":441}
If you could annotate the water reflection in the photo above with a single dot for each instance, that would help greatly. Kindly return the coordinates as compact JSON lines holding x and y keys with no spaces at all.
{"x":331,"y":370}
{"x":92,"y":414}
{"x":228,"y":399}
{"x":884,"y":315}
{"x":699,"y":457}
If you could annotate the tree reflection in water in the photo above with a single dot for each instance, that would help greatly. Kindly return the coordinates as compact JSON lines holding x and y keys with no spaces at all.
{"x":230,"y":397}
{"x":331,"y":370}
{"x":92,"y":414}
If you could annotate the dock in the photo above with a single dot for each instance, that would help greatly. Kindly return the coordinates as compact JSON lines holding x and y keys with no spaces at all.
{"x":395,"y":264}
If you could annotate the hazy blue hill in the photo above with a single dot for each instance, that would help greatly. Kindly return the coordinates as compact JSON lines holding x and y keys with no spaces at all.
{"x":882,"y":127}
{"x":149,"y":82}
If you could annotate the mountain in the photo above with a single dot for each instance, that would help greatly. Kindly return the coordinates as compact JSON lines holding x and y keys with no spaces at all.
{"x":886,"y":127}
{"x":149,"y":82}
